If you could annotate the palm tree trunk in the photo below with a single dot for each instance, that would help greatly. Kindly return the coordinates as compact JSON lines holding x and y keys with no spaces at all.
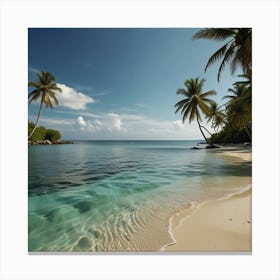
{"x":202,"y":131}
{"x":37,"y":120}
{"x":207,"y":130}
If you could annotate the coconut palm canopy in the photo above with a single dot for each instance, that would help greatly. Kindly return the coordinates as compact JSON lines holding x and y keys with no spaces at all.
{"x":45,"y":88}
{"x":237,"y":51}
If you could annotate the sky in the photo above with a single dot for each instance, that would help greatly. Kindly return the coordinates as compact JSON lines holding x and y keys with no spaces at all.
{"x":121,"y":83}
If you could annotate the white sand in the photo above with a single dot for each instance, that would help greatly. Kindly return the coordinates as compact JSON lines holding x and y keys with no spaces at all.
{"x":222,"y":225}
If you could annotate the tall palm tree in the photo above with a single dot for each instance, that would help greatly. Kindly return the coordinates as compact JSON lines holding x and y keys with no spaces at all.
{"x":195,"y":102}
{"x":236,"y":51}
{"x":216,"y":116}
{"x":45,"y":88}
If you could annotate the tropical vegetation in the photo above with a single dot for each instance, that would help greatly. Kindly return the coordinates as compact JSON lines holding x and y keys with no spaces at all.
{"x":236,"y":52}
{"x":44,"y":90}
{"x":42,"y":133}
{"x":232,"y":122}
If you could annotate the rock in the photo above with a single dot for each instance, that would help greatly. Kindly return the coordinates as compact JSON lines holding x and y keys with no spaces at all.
{"x":195,"y":148}
{"x":48,"y":142}
{"x":211,"y":147}
{"x":246,"y":144}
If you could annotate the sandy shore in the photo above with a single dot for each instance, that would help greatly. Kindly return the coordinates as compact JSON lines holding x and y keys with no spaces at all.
{"x":222,"y":225}
{"x":237,"y":151}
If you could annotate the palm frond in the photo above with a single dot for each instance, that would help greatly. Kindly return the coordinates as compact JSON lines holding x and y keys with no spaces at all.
{"x":52,"y":95}
{"x":181,"y":91}
{"x":219,"y":34}
{"x":34,"y":84}
{"x":226,"y":59}
{"x":210,"y":92}
{"x":216,"y":56}
{"x":35,"y":91}
{"x":186,"y":112}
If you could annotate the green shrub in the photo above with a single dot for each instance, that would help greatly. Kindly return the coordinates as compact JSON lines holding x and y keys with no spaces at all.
{"x":39,"y":133}
{"x":30,"y":127}
{"x":53,"y":135}
{"x":230,"y":135}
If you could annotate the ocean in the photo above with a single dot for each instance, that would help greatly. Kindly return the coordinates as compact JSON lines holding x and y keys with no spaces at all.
{"x":118,"y":196}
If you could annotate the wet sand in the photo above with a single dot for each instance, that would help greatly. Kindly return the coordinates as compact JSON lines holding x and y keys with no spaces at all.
{"x":222,"y":225}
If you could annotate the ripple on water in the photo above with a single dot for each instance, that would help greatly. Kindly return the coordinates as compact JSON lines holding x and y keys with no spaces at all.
{"x":117,"y":196}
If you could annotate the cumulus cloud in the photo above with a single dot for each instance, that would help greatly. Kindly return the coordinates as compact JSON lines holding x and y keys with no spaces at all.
{"x":178,"y":124}
{"x":110,"y":122}
{"x":81,"y":122}
{"x":87,"y":125}
{"x":126,"y":126}
{"x":72,"y":99}
{"x":115,"y":122}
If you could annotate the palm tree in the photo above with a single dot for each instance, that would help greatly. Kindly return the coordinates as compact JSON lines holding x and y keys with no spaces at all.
{"x":239,"y":107}
{"x":195,"y":102}
{"x":216,"y":116}
{"x":247,"y":83}
{"x":45,"y":88}
{"x":237,"y":50}
{"x":238,"y":91}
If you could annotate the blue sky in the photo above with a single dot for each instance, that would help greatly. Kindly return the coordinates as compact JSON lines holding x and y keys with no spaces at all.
{"x":121,"y":83}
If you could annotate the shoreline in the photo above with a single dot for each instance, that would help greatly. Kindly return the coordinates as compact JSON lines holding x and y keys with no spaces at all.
{"x":241,"y":152}
{"x":219,"y":225}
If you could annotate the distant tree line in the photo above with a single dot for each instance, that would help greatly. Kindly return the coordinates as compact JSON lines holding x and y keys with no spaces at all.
{"x":42,"y":133}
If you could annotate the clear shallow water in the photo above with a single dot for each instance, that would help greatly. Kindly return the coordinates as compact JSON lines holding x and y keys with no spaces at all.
{"x":119,"y":195}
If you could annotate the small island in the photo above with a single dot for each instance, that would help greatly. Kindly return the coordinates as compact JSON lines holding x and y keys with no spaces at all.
{"x":45,"y":136}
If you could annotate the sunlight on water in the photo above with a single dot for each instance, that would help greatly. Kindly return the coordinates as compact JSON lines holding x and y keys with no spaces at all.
{"x":119,"y":195}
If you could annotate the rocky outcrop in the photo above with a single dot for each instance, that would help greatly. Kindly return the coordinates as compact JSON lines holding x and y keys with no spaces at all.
{"x":48,"y":142}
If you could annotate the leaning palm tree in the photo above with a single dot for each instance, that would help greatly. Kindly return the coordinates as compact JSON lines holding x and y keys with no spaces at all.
{"x":195,"y":102}
{"x":237,"y":51}
{"x":45,"y":88}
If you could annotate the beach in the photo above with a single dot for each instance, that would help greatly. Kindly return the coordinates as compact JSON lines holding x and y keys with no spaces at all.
{"x":222,"y":225}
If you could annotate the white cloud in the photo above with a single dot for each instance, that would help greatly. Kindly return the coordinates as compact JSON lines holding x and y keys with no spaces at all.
{"x":87,"y":125}
{"x":115,"y":122}
{"x":81,"y":122}
{"x":110,"y":123}
{"x":178,"y":124}
{"x":72,"y":99}
{"x":126,"y":126}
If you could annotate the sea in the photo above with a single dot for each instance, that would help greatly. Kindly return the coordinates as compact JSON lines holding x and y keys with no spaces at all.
{"x":118,"y":196}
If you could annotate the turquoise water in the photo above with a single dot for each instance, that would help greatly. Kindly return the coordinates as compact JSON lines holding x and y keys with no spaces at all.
{"x":119,"y":195}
